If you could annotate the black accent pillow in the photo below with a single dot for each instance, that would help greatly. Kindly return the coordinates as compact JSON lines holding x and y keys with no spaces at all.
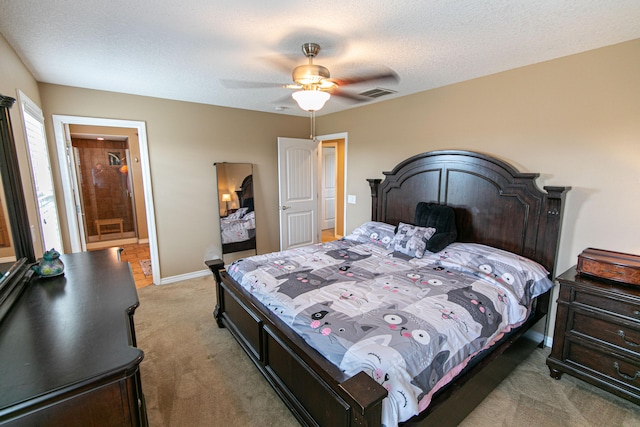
{"x":440,"y":217}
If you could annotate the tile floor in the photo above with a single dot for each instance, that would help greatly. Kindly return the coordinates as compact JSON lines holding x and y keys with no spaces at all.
{"x":133,"y":253}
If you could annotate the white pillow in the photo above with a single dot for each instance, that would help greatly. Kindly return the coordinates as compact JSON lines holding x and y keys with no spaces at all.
{"x":238,"y":214}
{"x":378,"y":233}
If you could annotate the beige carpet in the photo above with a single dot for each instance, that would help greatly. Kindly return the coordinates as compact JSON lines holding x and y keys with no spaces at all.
{"x":195,"y":374}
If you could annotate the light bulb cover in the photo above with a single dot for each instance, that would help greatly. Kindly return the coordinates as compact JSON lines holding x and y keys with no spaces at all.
{"x":226,"y":197}
{"x":311,"y":100}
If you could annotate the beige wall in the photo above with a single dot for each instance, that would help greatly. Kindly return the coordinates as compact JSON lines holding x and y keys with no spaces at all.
{"x":575,"y":120}
{"x":185,"y":140}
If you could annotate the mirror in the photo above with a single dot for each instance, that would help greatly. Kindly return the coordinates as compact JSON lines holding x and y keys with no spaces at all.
{"x":237,"y":214}
{"x":11,"y":283}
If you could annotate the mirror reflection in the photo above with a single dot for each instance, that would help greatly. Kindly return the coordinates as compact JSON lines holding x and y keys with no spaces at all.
{"x":235,"y":199}
{"x":12,"y":273}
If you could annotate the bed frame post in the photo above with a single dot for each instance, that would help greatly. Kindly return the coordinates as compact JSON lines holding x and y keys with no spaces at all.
{"x":216,"y":265}
{"x":549,"y":244}
{"x":374,"y":184}
{"x":554,"y":210}
{"x":367,"y":396}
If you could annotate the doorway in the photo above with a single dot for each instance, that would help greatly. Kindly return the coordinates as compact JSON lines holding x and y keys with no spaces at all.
{"x":138,"y":156}
{"x":328,"y":187}
{"x":106,"y":189}
{"x":333,"y":167}
{"x":300,"y":167}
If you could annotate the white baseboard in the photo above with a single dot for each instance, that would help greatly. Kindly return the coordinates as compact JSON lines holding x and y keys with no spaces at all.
{"x":186,"y":276}
{"x":539,"y":337}
{"x":548,"y":342}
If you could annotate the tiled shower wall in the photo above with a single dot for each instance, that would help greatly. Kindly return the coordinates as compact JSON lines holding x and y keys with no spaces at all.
{"x":104,"y":183}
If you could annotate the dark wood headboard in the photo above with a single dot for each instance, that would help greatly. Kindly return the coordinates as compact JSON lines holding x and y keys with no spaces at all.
{"x":245,"y":193}
{"x":494,"y":203}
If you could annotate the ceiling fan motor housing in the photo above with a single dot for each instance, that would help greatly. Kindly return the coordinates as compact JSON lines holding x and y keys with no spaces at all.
{"x":310,"y":74}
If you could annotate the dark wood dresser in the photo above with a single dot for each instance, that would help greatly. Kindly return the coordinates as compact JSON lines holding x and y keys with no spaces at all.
{"x":597,"y":334}
{"x":68,"y":353}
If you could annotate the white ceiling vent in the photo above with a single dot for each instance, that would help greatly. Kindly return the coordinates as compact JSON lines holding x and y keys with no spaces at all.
{"x":377,"y":92}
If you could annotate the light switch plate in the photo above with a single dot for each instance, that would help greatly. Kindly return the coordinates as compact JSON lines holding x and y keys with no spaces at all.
{"x":351,"y":199}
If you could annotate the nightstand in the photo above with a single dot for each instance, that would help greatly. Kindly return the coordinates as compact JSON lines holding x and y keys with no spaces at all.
{"x":597,"y":334}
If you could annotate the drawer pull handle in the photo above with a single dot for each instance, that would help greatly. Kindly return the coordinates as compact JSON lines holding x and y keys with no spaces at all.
{"x":625,"y":376}
{"x":633,"y":344}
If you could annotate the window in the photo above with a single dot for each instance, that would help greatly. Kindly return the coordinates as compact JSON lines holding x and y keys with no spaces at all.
{"x":40,"y":165}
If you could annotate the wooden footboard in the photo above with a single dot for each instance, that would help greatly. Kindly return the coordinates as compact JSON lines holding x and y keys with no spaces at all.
{"x":315,"y":391}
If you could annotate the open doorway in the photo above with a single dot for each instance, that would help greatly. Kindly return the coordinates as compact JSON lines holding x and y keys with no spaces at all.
{"x":83,"y":231}
{"x":333,"y":171}
{"x":110,"y":192}
{"x":300,"y":198}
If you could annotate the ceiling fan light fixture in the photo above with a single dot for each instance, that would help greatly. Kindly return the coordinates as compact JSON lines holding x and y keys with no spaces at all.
{"x":311,"y":100}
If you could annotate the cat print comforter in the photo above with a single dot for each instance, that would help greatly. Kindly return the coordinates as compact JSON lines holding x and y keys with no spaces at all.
{"x":410,"y":323}
{"x":238,"y":227}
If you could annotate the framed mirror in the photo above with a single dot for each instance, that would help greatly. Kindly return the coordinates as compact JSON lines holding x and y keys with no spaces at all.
{"x":237,"y":213}
{"x":12,"y":273}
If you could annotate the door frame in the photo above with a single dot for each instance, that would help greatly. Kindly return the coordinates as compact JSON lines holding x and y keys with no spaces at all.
{"x":60,"y":126}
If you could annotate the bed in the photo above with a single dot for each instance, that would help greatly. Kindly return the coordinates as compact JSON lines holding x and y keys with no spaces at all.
{"x":494,"y":206}
{"x":238,"y":229}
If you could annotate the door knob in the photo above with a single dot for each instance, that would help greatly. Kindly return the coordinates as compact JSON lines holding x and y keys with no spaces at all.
{"x":284,"y":208}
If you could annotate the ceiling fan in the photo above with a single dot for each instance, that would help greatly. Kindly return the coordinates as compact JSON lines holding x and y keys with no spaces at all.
{"x":313,"y":84}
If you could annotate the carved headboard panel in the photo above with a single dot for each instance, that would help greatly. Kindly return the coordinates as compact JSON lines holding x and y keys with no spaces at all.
{"x":494,"y":203}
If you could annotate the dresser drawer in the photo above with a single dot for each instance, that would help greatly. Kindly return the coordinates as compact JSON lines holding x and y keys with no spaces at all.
{"x":608,"y":330}
{"x":597,"y":334}
{"x":601,"y":302}
{"x":625,"y":372}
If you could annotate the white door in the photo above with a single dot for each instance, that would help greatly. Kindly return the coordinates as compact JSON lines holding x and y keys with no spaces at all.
{"x":328,"y":187}
{"x":298,"y":192}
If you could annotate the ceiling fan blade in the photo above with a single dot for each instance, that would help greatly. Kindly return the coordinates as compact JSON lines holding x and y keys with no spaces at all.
{"x":387,"y":75}
{"x":282,"y":62}
{"x":242,"y":84}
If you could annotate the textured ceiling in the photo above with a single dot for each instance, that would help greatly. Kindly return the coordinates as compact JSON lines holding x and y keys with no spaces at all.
{"x":186,"y":49}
